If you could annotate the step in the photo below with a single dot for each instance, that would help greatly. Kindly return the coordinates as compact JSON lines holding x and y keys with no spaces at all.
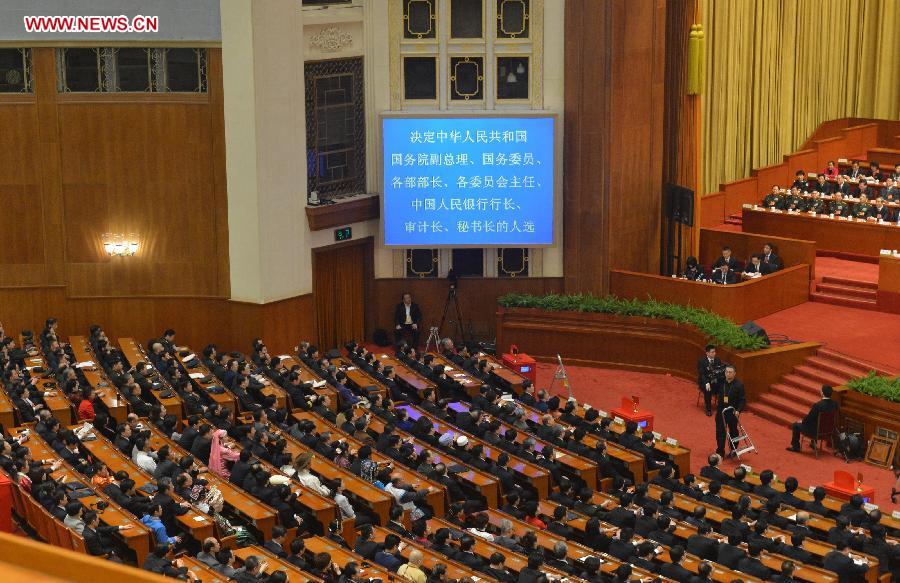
{"x":837,"y":367}
{"x":850,"y":282}
{"x":789,"y":406}
{"x":859,"y":303}
{"x":847,"y":291}
{"x":772,"y":414}
{"x":734,"y":222}
{"x":802,"y":383}
{"x":791,"y":393}
{"x":854,"y":363}
{"x":821,"y":376}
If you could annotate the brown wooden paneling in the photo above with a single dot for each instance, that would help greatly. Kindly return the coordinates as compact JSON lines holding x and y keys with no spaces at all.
{"x":79,"y":165}
{"x":889,"y":284}
{"x":330,"y":216}
{"x":641,"y":344}
{"x":613,"y":139}
{"x":828,"y":234}
{"x":792,"y":251}
{"x":712,"y":209}
{"x":477,"y":300}
{"x":198,"y":321}
{"x":872,"y":412}
{"x":740,"y":302}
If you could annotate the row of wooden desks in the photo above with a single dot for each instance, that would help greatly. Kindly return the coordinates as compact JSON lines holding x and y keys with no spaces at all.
{"x":407,"y":376}
{"x":54,"y":397}
{"x":294,"y":574}
{"x":203,"y":378}
{"x":485,"y":484}
{"x":7,"y":411}
{"x":308,"y":376}
{"x":582,"y":467}
{"x":135,"y":354}
{"x":199,"y":525}
{"x":436,"y":499}
{"x":341,"y":556}
{"x":261,"y":515}
{"x":203,"y":572}
{"x":471,"y":384}
{"x":536,"y":475}
{"x":506,"y":375}
{"x":816,"y":547}
{"x":137,"y":538}
{"x":431,"y":559}
{"x":358,"y":377}
{"x":373,"y":497}
{"x":93,"y":372}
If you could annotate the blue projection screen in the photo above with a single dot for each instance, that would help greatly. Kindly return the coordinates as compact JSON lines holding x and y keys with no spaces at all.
{"x":464,"y":181}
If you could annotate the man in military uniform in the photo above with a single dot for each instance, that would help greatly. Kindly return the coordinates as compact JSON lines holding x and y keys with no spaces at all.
{"x":774,"y":199}
{"x":822,"y":186}
{"x":838,"y":207}
{"x":793,"y":201}
{"x":731,"y":402}
{"x":816,"y":203}
{"x":862,"y":208}
{"x":881,"y":212}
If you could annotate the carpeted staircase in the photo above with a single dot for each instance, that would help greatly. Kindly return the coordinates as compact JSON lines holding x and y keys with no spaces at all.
{"x":735,"y":219}
{"x":847,"y":292}
{"x":789,"y":399}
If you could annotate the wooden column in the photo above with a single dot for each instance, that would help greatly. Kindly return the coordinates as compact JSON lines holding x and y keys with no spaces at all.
{"x":615,"y":57}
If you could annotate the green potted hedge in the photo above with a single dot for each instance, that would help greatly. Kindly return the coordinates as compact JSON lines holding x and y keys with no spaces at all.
{"x":722,"y":330}
{"x":873,"y":385}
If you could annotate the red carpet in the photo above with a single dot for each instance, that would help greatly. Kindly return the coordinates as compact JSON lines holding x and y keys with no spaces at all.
{"x":856,"y":270}
{"x":673,"y":401}
{"x":863,"y":334}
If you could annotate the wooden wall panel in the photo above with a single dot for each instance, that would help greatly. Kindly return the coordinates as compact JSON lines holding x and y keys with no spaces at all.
{"x":477,"y":300}
{"x":80,"y":165}
{"x":613,"y":139}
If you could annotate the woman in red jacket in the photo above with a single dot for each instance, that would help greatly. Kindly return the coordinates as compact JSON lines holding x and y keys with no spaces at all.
{"x":86,"y":407}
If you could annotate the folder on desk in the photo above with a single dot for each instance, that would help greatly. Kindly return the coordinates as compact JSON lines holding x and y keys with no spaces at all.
{"x":319,"y":384}
{"x":196,"y":375}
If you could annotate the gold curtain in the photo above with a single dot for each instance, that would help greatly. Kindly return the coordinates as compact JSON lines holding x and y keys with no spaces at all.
{"x":340,"y":292}
{"x":776,"y":69}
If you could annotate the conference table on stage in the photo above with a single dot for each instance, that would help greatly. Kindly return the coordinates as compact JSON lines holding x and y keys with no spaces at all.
{"x":740,"y":302}
{"x":848,"y":236}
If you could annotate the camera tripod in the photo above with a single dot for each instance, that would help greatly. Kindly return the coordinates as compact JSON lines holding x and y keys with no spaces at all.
{"x":452,"y":300}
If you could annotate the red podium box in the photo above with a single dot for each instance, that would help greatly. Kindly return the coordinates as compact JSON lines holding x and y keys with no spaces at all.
{"x":845,"y":485}
{"x":523,"y":365}
{"x":644,"y":419}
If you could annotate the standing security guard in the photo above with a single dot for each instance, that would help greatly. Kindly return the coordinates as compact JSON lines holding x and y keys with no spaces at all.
{"x":731,"y":397}
{"x":707,"y":379}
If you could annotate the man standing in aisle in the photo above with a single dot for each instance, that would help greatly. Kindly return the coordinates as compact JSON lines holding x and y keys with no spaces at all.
{"x":707,"y":377}
{"x":731,"y":402}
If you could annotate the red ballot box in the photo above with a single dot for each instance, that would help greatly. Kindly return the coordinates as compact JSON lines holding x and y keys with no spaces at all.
{"x":630,"y":412}
{"x":522,"y":364}
{"x":845,"y":485}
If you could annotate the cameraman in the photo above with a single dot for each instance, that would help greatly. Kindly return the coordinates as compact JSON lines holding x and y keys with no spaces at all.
{"x":710,"y":374}
{"x":407,"y":317}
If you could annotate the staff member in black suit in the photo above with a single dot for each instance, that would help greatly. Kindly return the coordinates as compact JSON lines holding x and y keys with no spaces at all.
{"x":724,"y":275}
{"x":731,"y":397}
{"x":407,"y":317}
{"x":707,"y":380}
{"x":726,"y":259}
{"x":769,"y":258}
{"x":810,"y":424}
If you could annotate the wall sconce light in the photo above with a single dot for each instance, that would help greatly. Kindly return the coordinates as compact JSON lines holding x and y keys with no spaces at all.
{"x":118,"y":245}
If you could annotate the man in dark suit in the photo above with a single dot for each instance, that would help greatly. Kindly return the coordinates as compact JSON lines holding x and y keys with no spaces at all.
{"x":726,"y":259}
{"x":795,"y":550}
{"x":732,"y":398}
{"x":498,"y":571}
{"x":809,"y":425}
{"x":701,"y":545}
{"x":712,"y":472}
{"x":275,"y":545}
{"x":674,"y":570}
{"x":724,"y":275}
{"x":407,"y":318}
{"x":94,"y":536}
{"x":558,"y":524}
{"x":730,"y":554}
{"x":465,"y":554}
{"x":707,"y":379}
{"x":756,"y":266}
{"x":751,"y":563}
{"x":843,"y":566}
{"x":787,"y":567}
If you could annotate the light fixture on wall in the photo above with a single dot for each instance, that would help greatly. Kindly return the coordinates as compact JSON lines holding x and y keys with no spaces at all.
{"x":118,"y":245}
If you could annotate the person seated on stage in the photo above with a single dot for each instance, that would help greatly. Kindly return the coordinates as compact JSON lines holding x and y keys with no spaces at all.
{"x":726,"y":259}
{"x":831,"y":170}
{"x":821,"y":185}
{"x":817,"y":203}
{"x":793,"y":201}
{"x":862,"y":209}
{"x":756,"y":268}
{"x":692,"y":269}
{"x":837,"y":206}
{"x":875,"y":172}
{"x":890,"y":192}
{"x":855,"y":172}
{"x":800,"y":182}
{"x":724,"y":275}
{"x":407,"y":318}
{"x":863,"y":189}
{"x":770,"y":258}
{"x":895,"y":175}
{"x":774,"y":199}
{"x":809,"y":425}
{"x":880,"y":212}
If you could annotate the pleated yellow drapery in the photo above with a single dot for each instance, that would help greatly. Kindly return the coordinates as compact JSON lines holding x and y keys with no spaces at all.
{"x":776,"y":69}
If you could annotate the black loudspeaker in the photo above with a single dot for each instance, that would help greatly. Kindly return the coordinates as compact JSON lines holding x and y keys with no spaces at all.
{"x":680,"y":204}
{"x":753,"y":330}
